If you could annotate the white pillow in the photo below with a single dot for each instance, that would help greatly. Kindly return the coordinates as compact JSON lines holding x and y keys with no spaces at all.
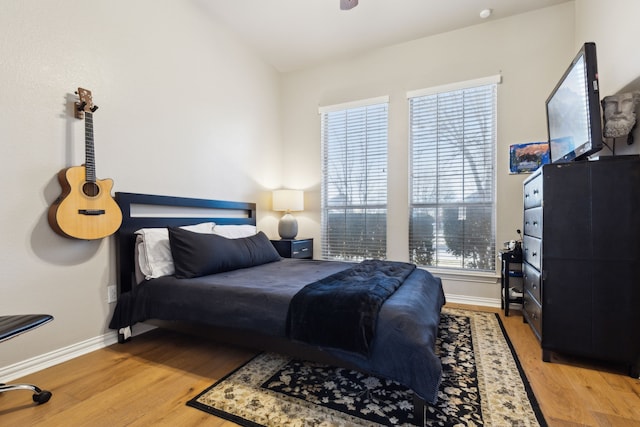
{"x":235,"y":231}
{"x":154,"y":253}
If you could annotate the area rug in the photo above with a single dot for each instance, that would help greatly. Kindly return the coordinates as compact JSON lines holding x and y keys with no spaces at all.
{"x":482,"y":385}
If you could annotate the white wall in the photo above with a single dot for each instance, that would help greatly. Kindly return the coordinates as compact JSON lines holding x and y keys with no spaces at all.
{"x":184,"y":110}
{"x":530,"y":51}
{"x":613,"y":26}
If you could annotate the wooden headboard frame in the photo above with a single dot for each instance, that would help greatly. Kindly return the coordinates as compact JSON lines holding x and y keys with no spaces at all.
{"x":126,"y":238}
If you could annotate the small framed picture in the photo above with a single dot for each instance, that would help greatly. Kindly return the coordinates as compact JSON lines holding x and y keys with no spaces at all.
{"x":527,"y":157}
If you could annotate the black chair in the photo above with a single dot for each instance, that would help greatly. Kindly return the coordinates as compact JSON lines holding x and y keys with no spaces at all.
{"x":12,"y":326}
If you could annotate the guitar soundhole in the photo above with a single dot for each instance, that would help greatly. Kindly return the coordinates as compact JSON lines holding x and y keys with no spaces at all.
{"x":91,"y":189}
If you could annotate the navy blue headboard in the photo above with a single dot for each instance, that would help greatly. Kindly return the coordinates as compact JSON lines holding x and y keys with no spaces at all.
{"x":243,"y":213}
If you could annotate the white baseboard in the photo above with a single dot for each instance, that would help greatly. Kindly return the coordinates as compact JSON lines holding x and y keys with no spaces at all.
{"x":465,"y":299}
{"x":35,"y":364}
{"x":29,"y":366}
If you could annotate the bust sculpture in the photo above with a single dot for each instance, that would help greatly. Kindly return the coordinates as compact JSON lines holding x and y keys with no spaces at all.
{"x":619,"y":113}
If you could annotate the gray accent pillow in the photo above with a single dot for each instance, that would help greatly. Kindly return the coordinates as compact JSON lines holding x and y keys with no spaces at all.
{"x":196,"y":254}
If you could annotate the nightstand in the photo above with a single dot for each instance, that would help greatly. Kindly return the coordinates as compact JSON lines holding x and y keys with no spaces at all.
{"x":294,"y":248}
{"x":512,"y":279}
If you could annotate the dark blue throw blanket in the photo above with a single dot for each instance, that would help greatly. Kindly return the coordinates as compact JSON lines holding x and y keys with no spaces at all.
{"x":341,"y":310}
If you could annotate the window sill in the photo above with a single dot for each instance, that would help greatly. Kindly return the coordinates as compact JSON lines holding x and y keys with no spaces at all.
{"x":478,"y":277}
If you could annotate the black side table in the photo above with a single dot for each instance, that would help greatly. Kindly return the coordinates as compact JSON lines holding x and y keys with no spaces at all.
{"x":294,"y":248}
{"x":511,"y":279}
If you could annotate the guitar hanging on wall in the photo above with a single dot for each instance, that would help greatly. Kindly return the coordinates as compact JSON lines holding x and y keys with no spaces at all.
{"x":85,"y":209}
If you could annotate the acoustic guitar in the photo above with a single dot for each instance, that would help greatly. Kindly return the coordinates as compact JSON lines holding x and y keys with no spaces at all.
{"x":85,"y":209}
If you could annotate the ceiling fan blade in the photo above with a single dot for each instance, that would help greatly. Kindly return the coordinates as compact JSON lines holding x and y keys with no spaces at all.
{"x":348,"y":4}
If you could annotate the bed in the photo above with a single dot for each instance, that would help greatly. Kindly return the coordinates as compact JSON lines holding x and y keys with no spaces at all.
{"x":254,"y":305}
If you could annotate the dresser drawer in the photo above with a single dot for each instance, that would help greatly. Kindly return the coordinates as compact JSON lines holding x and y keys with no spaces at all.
{"x":533,"y":222}
{"x":531,"y":251}
{"x":533,"y":314}
{"x":531,"y":278}
{"x":533,"y":192}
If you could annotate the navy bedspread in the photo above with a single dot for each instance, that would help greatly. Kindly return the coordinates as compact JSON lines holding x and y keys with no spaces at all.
{"x":258,"y":298}
{"x":341,"y":310}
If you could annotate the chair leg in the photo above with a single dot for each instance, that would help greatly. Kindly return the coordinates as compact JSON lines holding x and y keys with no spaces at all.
{"x":39,"y":396}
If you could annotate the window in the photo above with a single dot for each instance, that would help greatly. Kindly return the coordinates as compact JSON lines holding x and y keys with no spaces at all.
{"x":452,"y":199}
{"x":354,"y":180}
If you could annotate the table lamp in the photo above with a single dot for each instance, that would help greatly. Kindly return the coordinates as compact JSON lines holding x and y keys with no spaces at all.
{"x":288,"y":201}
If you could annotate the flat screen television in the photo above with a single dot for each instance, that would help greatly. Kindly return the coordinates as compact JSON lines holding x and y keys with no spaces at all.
{"x":573,"y":110}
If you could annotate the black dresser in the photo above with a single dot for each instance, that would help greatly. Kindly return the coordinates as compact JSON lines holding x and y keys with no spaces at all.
{"x":581,"y":251}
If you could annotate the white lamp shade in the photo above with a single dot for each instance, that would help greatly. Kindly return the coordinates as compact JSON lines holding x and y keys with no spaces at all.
{"x":288,"y":200}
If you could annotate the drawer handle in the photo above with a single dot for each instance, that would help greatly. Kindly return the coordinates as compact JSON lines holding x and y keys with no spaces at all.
{"x":535,"y":223}
{"x":304,"y":249}
{"x":535,"y":191}
{"x":534,"y":254}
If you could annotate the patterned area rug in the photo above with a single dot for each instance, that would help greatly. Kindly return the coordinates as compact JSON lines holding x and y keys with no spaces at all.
{"x":482,"y":385}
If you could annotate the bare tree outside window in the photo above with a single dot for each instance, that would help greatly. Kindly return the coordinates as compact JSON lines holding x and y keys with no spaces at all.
{"x":354,"y":183}
{"x":452,"y":137}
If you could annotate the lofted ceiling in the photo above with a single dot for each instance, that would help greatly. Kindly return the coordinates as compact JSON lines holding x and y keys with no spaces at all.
{"x":295,"y":34}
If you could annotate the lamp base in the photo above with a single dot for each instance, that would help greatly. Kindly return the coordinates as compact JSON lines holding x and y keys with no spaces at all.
{"x":288,"y":227}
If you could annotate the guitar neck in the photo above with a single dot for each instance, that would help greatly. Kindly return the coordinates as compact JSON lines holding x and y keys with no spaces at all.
{"x":89,"y":151}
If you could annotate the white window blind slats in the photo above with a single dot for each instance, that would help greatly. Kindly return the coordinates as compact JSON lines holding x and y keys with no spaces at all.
{"x":452,"y":137}
{"x":354,"y":184}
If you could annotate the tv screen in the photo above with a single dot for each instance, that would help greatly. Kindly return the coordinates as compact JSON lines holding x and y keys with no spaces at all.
{"x":573,"y":110}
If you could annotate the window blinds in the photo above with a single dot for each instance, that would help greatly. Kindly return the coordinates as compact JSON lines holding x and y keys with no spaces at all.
{"x":354,"y":180}
{"x":452,"y":145}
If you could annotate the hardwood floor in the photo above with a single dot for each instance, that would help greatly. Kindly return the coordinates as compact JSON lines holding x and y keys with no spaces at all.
{"x":147,"y":382}
{"x":573,"y":392}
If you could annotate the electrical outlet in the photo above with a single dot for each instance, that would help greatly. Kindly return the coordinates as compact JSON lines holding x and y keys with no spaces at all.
{"x":112,"y":293}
